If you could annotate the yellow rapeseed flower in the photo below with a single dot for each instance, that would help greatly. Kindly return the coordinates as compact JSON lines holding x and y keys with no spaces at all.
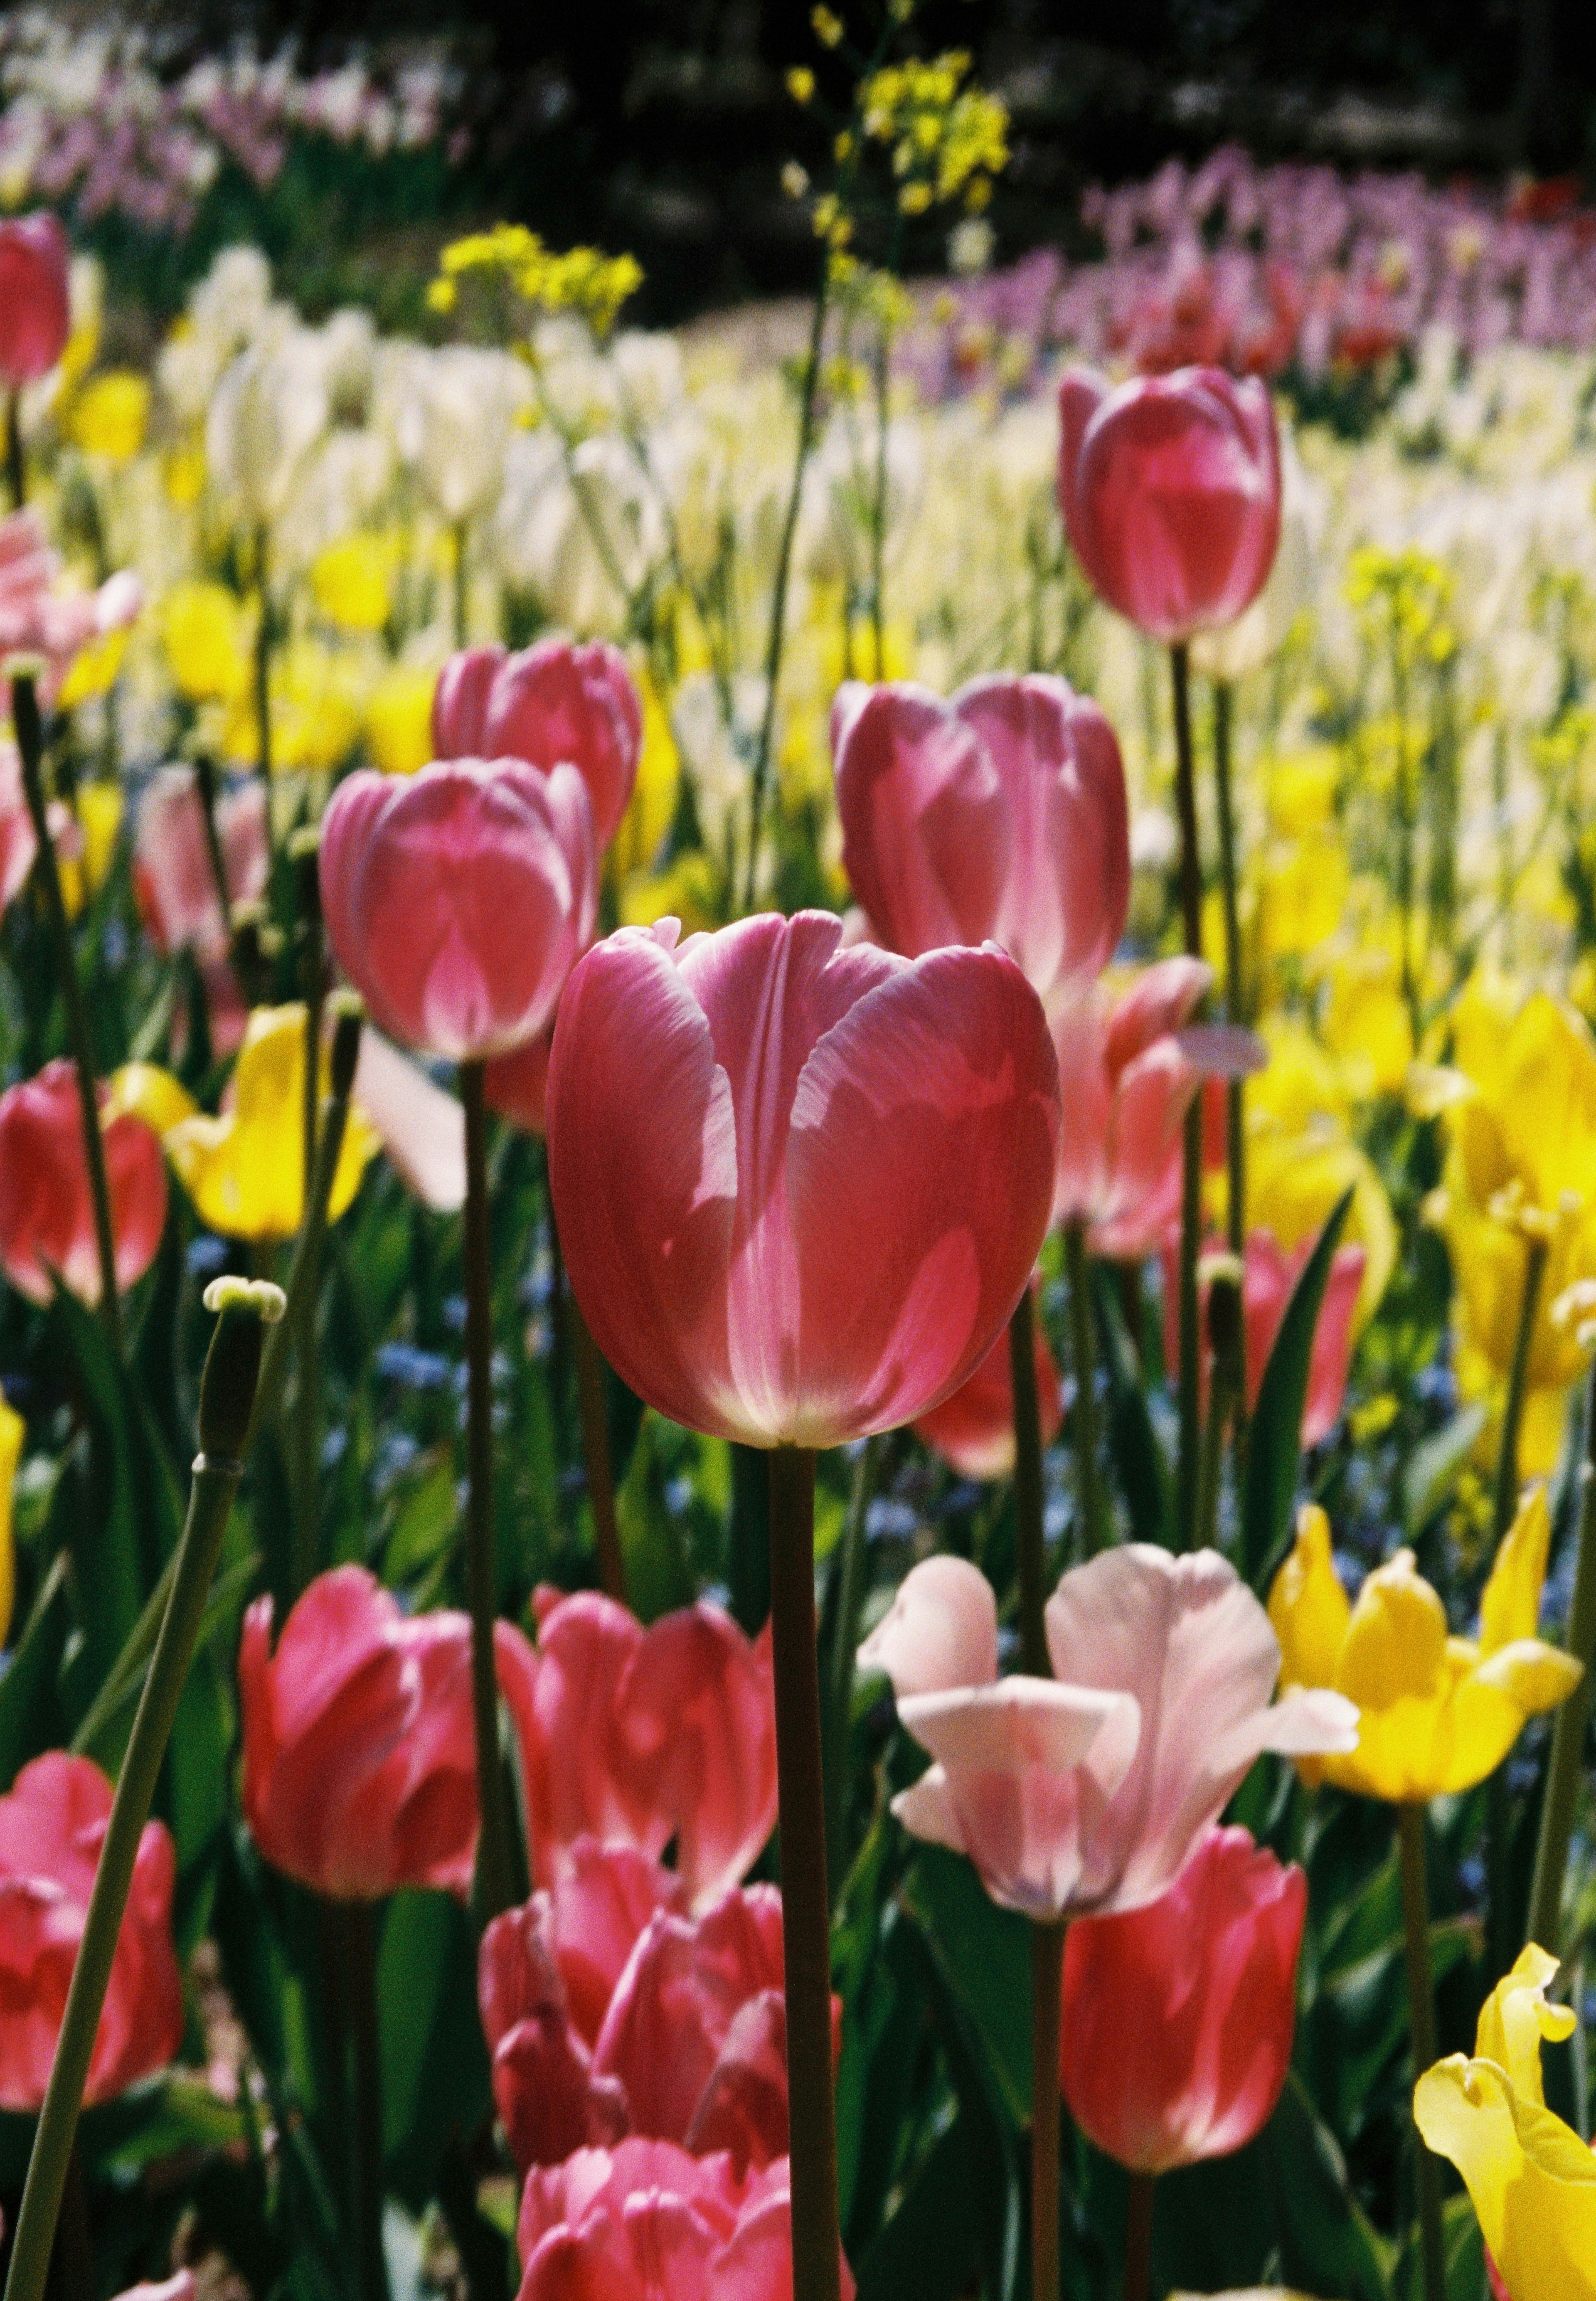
{"x":245,"y":1169}
{"x":13,"y":1432}
{"x":109,"y":416}
{"x":1530,"y":2176}
{"x":205,"y":633}
{"x":399,"y":719}
{"x":1436,"y":1713}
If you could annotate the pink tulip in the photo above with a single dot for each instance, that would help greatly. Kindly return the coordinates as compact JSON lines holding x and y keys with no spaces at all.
{"x":1269,"y":1275}
{"x":43,"y":625}
{"x":1125,"y":1082}
{"x":1170,"y":490}
{"x":644,"y":1737}
{"x":457,"y":899}
{"x":516,"y":1084}
{"x":51,"y":1826}
{"x":799,"y":1188}
{"x":999,"y":816}
{"x":598,"y":1903}
{"x":973,"y":1430}
{"x":173,"y":879}
{"x":421,"y":1126}
{"x":1085,"y":1791}
{"x":1178,"y":2016}
{"x":35,"y":319}
{"x":553,"y":702}
{"x":649,"y":2221}
{"x":46,"y":1212}
{"x":359,"y":1749}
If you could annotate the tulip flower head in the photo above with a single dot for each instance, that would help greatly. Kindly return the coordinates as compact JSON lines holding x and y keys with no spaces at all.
{"x":1126,"y":1081}
{"x":799,"y":1188}
{"x":553,"y":702}
{"x":34,"y":317}
{"x":457,"y":899}
{"x":998,"y":816}
{"x":1530,"y":2178}
{"x":1086,"y":1792}
{"x":1178,"y":2016}
{"x":52,"y":1824}
{"x":1435,"y":1713}
{"x":46,"y":1212}
{"x":1170,"y":490}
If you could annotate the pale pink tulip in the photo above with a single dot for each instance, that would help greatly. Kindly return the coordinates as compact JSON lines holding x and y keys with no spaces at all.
{"x":1269,"y":1275}
{"x":17,"y":844}
{"x":174,"y":881}
{"x":422,"y":1127}
{"x":1086,"y":1791}
{"x":555,"y":701}
{"x":999,"y":817}
{"x":799,"y":1188}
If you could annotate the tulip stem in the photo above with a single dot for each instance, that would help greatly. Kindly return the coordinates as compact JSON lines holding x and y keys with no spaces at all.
{"x":495,"y":1891}
{"x":299,"y":1327}
{"x":461,"y":617}
{"x":837,"y":1715}
{"x":1047,"y":2022}
{"x":16,"y":462}
{"x":1421,"y":2017}
{"x":1235,"y":1001}
{"x":805,"y":1903}
{"x":1188,"y":1467}
{"x":1140,"y":2191}
{"x":306,"y":1447}
{"x":226,"y":1398}
{"x":595,"y":1451}
{"x":1568,"y":1731}
{"x":357,"y":1941}
{"x":1030,"y":1534}
{"x":1088,"y":1485}
{"x":1504,"y":1500}
{"x":31,"y":747}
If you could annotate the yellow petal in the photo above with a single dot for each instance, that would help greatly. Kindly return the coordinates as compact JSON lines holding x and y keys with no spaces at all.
{"x":109,"y":416}
{"x":1396,"y":1641}
{"x":1532,"y":2180}
{"x":1516,"y":2017}
{"x":1307,"y":1606}
{"x":1511,"y":1606}
{"x":13,"y":1432}
{"x":150,"y":1093}
{"x":399,"y":720}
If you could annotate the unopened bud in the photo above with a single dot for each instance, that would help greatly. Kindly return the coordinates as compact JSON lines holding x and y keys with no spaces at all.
{"x":348,"y":1021}
{"x":244,"y":1308}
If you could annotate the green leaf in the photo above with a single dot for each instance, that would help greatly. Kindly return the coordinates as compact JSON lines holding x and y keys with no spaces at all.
{"x":434,"y":2064}
{"x":1275,"y":1432}
{"x":29,"y":1718}
{"x":988,"y":1949}
{"x":927,"y":2246}
{"x":658,"y":1575}
{"x":1433,"y":1466}
{"x":1138,"y":1457}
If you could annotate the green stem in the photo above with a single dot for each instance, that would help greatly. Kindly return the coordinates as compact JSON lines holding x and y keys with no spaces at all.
{"x":1568,"y":1732}
{"x":777,"y":605}
{"x":16,"y":462}
{"x":304,"y":1274}
{"x":805,"y":1903}
{"x":495,"y":1889}
{"x":1504,"y":1500}
{"x":262,"y":663}
{"x":1191,"y":1438}
{"x":227,"y":1397}
{"x":878,"y":525}
{"x":596,"y":1454}
{"x":1140,"y":2191}
{"x":1047,"y":2022}
{"x":357,"y":1931}
{"x":1220,"y":1404}
{"x":306,"y":1431}
{"x":204,"y":784}
{"x":1089,"y":1487}
{"x":1029,"y":1535}
{"x":837,"y":1715}
{"x":31,"y":747}
{"x":1235,"y":997}
{"x":71,"y":2276}
{"x":1421,"y":2016}
{"x":461,"y":618}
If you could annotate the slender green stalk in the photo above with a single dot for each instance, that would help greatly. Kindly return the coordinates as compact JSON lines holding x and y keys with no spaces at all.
{"x":226,"y":1400}
{"x":596,"y":1454}
{"x":1235,"y":996}
{"x":1568,"y":1732}
{"x":1029,"y":1535}
{"x":1088,"y":1485}
{"x":71,"y":2276}
{"x":305,"y":1277}
{"x":1188,"y":1466}
{"x":1139,"y":2237}
{"x":306,"y":1445}
{"x":1504,"y":1498}
{"x":461,"y":595}
{"x":357,"y":1932}
{"x":1421,"y":2017}
{"x":1047,"y":2024}
{"x":838,"y":1714}
{"x":776,"y":640}
{"x":495,"y":1885}
{"x":1211,"y":1462}
{"x":16,"y":462}
{"x":31,"y":747}
{"x":805,"y":1902}
{"x":878,"y":524}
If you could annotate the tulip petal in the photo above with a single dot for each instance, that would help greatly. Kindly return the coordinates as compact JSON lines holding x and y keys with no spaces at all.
{"x":940,"y":1633}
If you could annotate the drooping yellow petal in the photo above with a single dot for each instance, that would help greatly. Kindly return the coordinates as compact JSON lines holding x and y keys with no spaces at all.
{"x":1511,"y":1606}
{"x":1307,"y":1606}
{"x":12,"y":1431}
{"x":1516,"y":2017}
{"x":1531,"y":2178}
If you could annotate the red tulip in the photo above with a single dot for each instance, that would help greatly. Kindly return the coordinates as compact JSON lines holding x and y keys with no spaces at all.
{"x":359,"y":1749}
{"x":47,"y":1213}
{"x":174,"y":880}
{"x":457,"y":899}
{"x":598,"y":1903}
{"x":649,"y":2221}
{"x":516,"y":1084}
{"x":52,"y":1825}
{"x":644,"y":1737}
{"x":1178,"y":2016}
{"x":1269,"y":1276}
{"x":1170,"y":490}
{"x":974,"y":1429}
{"x":1126,"y":1082}
{"x":34,"y":317}
{"x":999,"y":817}
{"x":553,"y":702}
{"x":799,"y":1188}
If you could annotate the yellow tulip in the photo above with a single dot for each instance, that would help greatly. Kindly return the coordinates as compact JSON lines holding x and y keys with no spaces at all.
{"x":652,"y":806}
{"x":12,"y":1435}
{"x":1531,"y":2178}
{"x":94,"y":670}
{"x":318,"y":708}
{"x":1436,"y":1713}
{"x":205,"y":629}
{"x":1365,"y":1021}
{"x":352,"y":582}
{"x":110,"y":414}
{"x":85,"y":869}
{"x":245,"y":1169}
{"x":399,"y":719}
{"x":144,"y":1090}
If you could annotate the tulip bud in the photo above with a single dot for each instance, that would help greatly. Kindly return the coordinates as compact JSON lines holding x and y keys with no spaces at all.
{"x":244,"y":1308}
{"x":35,"y":314}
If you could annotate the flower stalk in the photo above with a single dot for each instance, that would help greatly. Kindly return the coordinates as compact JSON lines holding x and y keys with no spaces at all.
{"x":596,"y":1455}
{"x":1568,"y":1731}
{"x":1188,"y":1464}
{"x":1235,"y":999}
{"x":1140,"y":2193}
{"x":1094,"y":1531}
{"x":1421,"y":2017}
{"x":836,"y":1716}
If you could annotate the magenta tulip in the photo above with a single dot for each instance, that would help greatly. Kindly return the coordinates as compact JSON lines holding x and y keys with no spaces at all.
{"x":554,"y":702}
{"x":47,"y":1211}
{"x":35,"y":316}
{"x":457,"y":899}
{"x":999,"y":817}
{"x":799,"y":1188}
{"x":1178,"y":2016}
{"x":1170,"y":489}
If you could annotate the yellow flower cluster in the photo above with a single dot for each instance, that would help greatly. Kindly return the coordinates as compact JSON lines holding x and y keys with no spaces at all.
{"x":947,"y":140}
{"x":582,"y":281}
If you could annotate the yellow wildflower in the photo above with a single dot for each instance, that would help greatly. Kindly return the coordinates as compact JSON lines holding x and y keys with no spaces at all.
{"x":109,"y":416}
{"x":94,"y":670}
